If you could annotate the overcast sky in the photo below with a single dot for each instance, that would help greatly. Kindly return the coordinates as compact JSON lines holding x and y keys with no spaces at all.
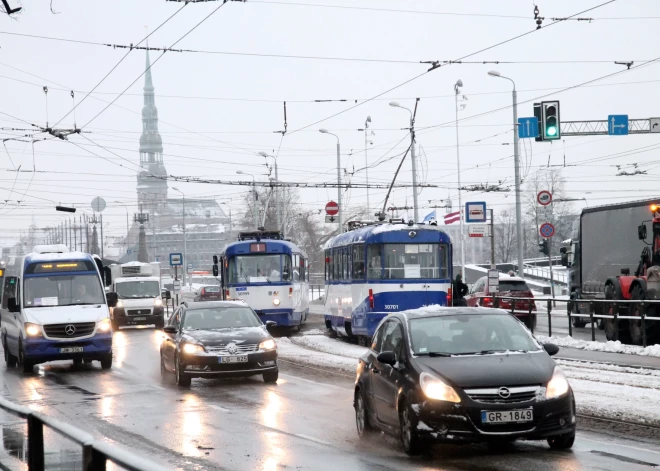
{"x":217,"y":111}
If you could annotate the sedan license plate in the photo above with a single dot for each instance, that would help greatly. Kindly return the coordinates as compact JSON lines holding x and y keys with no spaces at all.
{"x":507,"y":416}
{"x":236,"y":359}
{"x":71,"y":350}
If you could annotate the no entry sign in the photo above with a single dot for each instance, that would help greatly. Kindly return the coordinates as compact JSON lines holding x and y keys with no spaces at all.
{"x":331,"y":208}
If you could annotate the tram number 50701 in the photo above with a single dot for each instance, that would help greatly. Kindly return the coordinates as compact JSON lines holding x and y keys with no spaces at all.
{"x":392,"y":307}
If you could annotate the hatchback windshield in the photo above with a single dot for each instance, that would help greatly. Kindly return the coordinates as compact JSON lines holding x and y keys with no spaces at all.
{"x":220,"y":318}
{"x":465,"y":334}
{"x":513,"y":285}
{"x":63,"y":290}
{"x":138,"y":289}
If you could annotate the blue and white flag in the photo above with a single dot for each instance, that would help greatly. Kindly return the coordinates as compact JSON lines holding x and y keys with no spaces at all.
{"x":430,"y":216}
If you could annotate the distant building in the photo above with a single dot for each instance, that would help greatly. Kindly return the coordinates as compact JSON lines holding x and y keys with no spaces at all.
{"x":207,"y":226}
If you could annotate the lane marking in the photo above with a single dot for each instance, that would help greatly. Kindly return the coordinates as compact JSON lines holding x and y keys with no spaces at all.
{"x":620,"y":444}
{"x":221,"y":409}
{"x":312,"y":439}
{"x":315,"y":382}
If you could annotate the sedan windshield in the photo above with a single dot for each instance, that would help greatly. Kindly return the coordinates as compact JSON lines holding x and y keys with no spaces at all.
{"x":63,"y":290}
{"x":138,"y":289}
{"x":469,"y":334}
{"x":220,"y":318}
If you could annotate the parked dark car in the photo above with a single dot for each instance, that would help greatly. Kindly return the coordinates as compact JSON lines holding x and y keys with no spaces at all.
{"x":465,"y":375}
{"x":212,"y":339}
{"x":511,"y":287}
{"x":209,"y":293}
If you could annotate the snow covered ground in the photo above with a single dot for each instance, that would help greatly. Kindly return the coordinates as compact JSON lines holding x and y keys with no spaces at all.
{"x":601,"y":390}
{"x":610,"y":346}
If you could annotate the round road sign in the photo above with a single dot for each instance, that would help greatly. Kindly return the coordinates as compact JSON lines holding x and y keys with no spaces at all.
{"x":547,"y":230}
{"x":331,"y":208}
{"x":98,"y":204}
{"x":544,"y":198}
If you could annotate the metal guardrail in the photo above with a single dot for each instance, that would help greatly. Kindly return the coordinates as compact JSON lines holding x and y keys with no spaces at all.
{"x":95,"y":454}
{"x":559,"y":276}
{"x":592,"y":315}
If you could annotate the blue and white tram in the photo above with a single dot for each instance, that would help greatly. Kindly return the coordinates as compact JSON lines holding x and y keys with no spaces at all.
{"x":270,"y":274}
{"x":380,"y":268}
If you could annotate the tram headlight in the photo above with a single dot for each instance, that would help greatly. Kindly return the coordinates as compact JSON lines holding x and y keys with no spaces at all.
{"x":276,"y":301}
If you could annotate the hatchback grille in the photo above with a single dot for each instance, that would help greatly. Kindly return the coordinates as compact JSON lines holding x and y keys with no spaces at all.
{"x":240,"y":349}
{"x":138,"y":312}
{"x":69,"y":331}
{"x":492,"y":395}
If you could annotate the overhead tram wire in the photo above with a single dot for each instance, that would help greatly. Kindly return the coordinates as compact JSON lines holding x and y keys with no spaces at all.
{"x":120,"y":61}
{"x":437,"y":65}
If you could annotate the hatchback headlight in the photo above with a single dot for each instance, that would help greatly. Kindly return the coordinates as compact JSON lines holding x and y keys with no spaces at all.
{"x":104,"y":325}
{"x":32,"y":330}
{"x":193,"y":349}
{"x":557,"y":386}
{"x":435,"y":388}
{"x":268,"y":345}
{"x":158,"y":302}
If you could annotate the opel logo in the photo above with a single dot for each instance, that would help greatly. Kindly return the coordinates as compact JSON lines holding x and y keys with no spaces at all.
{"x":70,"y":329}
{"x":232,"y":348}
{"x":503,"y":392}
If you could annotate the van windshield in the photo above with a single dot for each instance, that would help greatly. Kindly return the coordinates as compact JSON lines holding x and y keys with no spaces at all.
{"x":138,"y":289}
{"x":62,"y":290}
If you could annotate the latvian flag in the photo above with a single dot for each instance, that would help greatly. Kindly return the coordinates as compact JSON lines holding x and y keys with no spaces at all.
{"x":452,"y":217}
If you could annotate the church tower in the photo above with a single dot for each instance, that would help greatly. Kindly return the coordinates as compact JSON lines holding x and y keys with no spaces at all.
{"x":152,"y":191}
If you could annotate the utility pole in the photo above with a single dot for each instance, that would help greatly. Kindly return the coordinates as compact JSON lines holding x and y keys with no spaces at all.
{"x":412,"y":154}
{"x":101,"y":236}
{"x":492,"y":239}
{"x":457,"y":86}
{"x":141,"y":218}
{"x":340,"y":214}
{"x":366,"y":159}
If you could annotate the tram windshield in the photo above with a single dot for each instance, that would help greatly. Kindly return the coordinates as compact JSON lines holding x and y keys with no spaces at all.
{"x":259,"y":268}
{"x":408,"y":261}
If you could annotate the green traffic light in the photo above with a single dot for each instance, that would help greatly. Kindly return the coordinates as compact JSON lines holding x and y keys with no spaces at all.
{"x":552,"y":131}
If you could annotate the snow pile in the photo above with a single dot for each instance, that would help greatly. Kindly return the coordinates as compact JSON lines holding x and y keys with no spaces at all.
{"x":313,"y":332}
{"x":609,"y":346}
{"x":287,"y":350}
{"x":333,"y":346}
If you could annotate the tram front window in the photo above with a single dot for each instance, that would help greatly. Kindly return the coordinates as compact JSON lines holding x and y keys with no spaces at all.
{"x":415,"y":261}
{"x":255,"y":269}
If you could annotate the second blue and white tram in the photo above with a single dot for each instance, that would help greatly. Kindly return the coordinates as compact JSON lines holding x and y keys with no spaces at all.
{"x":270,"y":274}
{"x":380,"y":268}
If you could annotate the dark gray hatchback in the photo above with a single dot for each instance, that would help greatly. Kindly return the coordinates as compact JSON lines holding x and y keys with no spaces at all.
{"x":462,"y":374}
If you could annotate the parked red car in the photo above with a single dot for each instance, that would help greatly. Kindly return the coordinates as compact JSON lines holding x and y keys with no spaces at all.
{"x":209,"y":293}
{"x":510,"y":286}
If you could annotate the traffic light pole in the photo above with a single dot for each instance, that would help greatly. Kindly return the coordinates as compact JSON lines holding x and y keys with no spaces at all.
{"x":521,"y":258}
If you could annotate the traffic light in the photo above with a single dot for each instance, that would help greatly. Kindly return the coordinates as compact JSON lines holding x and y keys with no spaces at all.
{"x":543,"y":247}
{"x":550,"y":130}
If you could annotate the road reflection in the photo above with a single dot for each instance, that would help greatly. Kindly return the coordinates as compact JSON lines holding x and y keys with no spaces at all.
{"x":192,"y":427}
{"x":119,"y":347}
{"x":271,"y":416}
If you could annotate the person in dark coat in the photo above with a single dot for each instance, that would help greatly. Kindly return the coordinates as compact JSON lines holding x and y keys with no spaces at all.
{"x":460,"y":289}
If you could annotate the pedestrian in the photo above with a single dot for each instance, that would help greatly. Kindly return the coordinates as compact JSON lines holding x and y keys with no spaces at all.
{"x":460,"y":289}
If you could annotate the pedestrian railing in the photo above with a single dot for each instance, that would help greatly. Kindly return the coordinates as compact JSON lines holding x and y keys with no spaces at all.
{"x":95,"y":454}
{"x":611,"y":306}
{"x":558,"y":276}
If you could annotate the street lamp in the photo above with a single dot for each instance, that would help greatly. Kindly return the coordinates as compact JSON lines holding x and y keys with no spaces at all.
{"x":457,"y":90}
{"x":185,"y":255}
{"x":394,"y":104}
{"x":341,"y":210}
{"x":127,"y":229}
{"x":277,"y":194}
{"x":254,"y":195}
{"x":229,"y":206}
{"x":366,"y":160}
{"x":516,"y":163}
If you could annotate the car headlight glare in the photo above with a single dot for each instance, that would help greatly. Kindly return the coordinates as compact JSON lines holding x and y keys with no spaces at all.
{"x":192,"y":348}
{"x":434,"y":388}
{"x":32,"y":330}
{"x":268,"y":345}
{"x":276,"y":301}
{"x":557,"y":386}
{"x":105,"y":325}
{"x":158,"y":302}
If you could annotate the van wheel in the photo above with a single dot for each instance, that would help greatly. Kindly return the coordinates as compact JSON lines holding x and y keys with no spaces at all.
{"x":106,"y":361}
{"x":28,"y":366}
{"x":10,"y":359}
{"x":160,"y":324}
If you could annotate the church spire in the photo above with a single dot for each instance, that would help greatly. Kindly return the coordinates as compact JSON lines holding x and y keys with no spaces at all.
{"x":148,"y":84}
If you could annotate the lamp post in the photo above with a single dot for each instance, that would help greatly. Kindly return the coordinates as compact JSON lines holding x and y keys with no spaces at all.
{"x":127,"y":228}
{"x":341,"y":210}
{"x":254,"y":195}
{"x":229,"y":206}
{"x":366,"y":160}
{"x":278,"y":193}
{"x":412,"y":159}
{"x":457,"y":87}
{"x":185,"y":254}
{"x":516,"y":163}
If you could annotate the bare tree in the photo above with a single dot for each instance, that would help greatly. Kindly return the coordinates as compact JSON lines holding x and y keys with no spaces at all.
{"x":505,"y":235}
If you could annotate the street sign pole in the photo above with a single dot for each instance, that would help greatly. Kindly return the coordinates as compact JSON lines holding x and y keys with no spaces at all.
{"x":552,"y":282}
{"x":492,"y":240}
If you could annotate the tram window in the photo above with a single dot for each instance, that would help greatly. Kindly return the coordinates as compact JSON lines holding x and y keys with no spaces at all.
{"x":374,"y":262}
{"x":328,"y":265}
{"x":296,"y":267}
{"x":358,"y":262}
{"x":349,"y":260}
{"x":415,"y":261}
{"x":336,"y":256}
{"x":344,"y":257}
{"x":286,"y":272}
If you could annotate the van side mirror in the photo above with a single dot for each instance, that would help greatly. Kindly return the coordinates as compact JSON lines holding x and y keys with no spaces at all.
{"x":641,"y":232}
{"x":112,"y":299}
{"x":12,"y":305}
{"x":107,"y":276}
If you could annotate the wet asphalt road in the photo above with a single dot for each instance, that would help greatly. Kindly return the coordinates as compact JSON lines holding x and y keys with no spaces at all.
{"x":305,"y":422}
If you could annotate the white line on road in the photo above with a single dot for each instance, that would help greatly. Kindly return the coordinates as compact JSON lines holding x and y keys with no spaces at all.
{"x":621,"y":445}
{"x":221,"y":409}
{"x":315,"y":382}
{"x":312,"y":439}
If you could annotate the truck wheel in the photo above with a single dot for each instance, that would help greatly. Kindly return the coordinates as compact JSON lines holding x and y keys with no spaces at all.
{"x":578,"y":322}
{"x":609,"y":324}
{"x":635,"y":310}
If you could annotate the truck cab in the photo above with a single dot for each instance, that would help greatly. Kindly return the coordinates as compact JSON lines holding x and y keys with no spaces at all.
{"x":139,"y":292}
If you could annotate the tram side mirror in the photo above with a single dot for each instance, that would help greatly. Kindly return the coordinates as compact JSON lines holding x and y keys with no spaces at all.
{"x":564,"y":257}
{"x":107,"y":276}
{"x":112,"y":299}
{"x":215,"y":270}
{"x":286,"y":274}
{"x":12,"y":305}
{"x":641,"y":232}
{"x":166,"y":294}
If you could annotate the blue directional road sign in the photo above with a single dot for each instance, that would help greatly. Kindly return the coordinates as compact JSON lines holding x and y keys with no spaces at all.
{"x":617,"y":125}
{"x":528,"y":127}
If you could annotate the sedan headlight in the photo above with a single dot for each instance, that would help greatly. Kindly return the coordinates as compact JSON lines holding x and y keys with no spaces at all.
{"x":193,"y":349}
{"x":557,"y":386}
{"x":104,"y":325}
{"x":268,"y":345}
{"x":435,"y":388}
{"x":158,"y":302}
{"x":32,"y":330}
